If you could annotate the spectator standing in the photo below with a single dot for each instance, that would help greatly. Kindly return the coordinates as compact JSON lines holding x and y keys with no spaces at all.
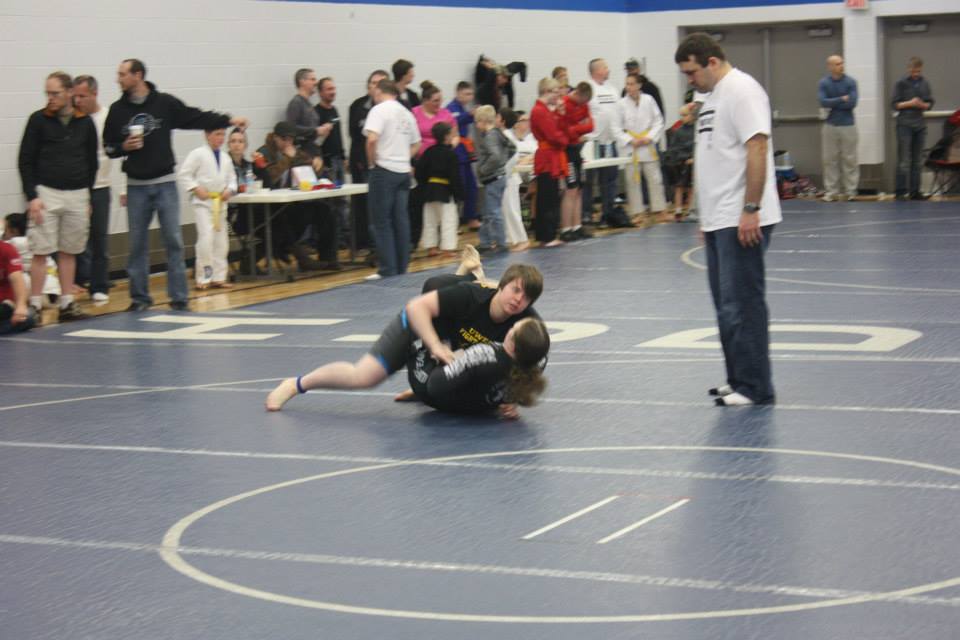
{"x":562,"y":76}
{"x":575,"y":115}
{"x":605,"y":113}
{"x":301,"y":114}
{"x":462,"y":108}
{"x":334,"y":163}
{"x":632,"y":68}
{"x":392,"y":139}
{"x":15,"y":314}
{"x":403,"y":75}
{"x":494,"y":150}
{"x":58,"y":169}
{"x":639,"y":127}
{"x":438,"y":174}
{"x":245,"y":174}
{"x":838,"y":93}
{"x":739,"y":207}
{"x":332,"y":148}
{"x":912,"y":96}
{"x":550,"y":161}
{"x":678,"y":159}
{"x":93,"y":265}
{"x":207,"y":174}
{"x":428,"y":113}
{"x":519,"y":134}
{"x":139,"y":127}
{"x":359,"y":109}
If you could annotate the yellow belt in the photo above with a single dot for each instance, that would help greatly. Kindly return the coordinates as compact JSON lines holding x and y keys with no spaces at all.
{"x":438,"y":181}
{"x":636,"y":158}
{"x":215,"y":210}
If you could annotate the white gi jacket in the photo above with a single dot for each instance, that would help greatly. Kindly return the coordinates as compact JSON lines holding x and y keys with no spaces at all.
{"x":200,"y":170}
{"x":637,"y":118}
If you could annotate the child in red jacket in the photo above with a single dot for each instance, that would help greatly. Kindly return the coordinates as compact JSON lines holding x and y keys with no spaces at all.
{"x":577,"y":123}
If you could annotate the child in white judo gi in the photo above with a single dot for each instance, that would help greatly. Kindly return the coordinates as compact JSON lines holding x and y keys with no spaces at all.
{"x":208,"y":175}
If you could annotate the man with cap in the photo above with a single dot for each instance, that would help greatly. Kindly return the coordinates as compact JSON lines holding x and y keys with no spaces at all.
{"x":281,"y":156}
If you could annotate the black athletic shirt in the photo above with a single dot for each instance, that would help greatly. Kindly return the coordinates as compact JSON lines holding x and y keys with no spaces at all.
{"x":464,"y":318}
{"x":475,"y":382}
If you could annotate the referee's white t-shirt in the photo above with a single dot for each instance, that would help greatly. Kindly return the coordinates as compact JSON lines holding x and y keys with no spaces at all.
{"x":397,"y":131}
{"x":736,"y":110}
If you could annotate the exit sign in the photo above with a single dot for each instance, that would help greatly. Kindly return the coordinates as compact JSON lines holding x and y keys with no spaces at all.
{"x":859,"y":5}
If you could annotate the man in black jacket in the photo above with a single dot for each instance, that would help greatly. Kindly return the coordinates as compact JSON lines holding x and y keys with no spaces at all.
{"x":58,"y":165}
{"x":139,"y":128}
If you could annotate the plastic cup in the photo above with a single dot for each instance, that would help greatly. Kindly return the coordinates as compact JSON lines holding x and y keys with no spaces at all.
{"x":136,"y":130}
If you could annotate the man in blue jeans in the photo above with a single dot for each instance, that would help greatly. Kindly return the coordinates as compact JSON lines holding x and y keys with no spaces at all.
{"x":911,"y":97}
{"x":605,"y":112}
{"x":392,"y":139}
{"x":138,"y":128}
{"x":737,"y":197}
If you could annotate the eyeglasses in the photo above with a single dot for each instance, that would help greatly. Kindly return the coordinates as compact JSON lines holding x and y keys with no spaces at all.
{"x":53,"y":94}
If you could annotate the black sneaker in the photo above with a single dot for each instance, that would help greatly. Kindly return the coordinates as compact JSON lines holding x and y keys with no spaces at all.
{"x":137,"y":307}
{"x":916,"y":195}
{"x":584,"y":233}
{"x":569,"y":235}
{"x":180,"y":305}
{"x":72,"y":312}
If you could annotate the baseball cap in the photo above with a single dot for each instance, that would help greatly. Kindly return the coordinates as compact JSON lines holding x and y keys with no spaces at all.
{"x":285,"y":130}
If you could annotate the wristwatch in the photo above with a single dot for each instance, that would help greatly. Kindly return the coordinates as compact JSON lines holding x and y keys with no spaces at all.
{"x":751,"y":207}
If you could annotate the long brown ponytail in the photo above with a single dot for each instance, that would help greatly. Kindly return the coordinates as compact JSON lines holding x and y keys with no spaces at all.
{"x":531,"y":344}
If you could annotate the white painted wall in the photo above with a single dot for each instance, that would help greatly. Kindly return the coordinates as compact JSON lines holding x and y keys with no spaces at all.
{"x":240,"y":55}
{"x":654,"y":36}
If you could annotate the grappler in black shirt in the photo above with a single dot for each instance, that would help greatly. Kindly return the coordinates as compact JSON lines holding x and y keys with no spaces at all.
{"x":440,"y":321}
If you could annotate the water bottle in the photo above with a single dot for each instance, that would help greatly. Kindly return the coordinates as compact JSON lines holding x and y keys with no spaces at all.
{"x":248,"y":180}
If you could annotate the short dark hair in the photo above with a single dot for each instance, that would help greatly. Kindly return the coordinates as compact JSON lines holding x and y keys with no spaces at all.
{"x":584,"y":89}
{"x":701,"y":46}
{"x":529,"y":275}
{"x":463,"y":84}
{"x":17,"y":222}
{"x":557,"y":71}
{"x":377,"y":72}
{"x":212,"y":129}
{"x":300,"y":75}
{"x":509,"y":116}
{"x":387,"y":86}
{"x":440,"y":131}
{"x":90,"y":81}
{"x":137,"y":66}
{"x":323,"y":80}
{"x":65,"y":80}
{"x":400,"y":68}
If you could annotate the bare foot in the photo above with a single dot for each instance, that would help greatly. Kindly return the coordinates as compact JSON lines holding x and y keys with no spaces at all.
{"x":279,"y":396}
{"x":405,"y":396}
{"x":469,"y":260}
{"x":520,"y":246}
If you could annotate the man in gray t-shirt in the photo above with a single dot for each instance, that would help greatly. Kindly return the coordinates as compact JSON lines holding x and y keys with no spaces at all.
{"x":302,"y":115}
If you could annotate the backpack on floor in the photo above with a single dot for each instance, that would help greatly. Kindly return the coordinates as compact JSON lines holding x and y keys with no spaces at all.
{"x":618,"y":218}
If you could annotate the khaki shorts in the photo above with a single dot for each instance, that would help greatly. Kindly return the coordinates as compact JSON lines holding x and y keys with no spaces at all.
{"x":66,"y":222}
